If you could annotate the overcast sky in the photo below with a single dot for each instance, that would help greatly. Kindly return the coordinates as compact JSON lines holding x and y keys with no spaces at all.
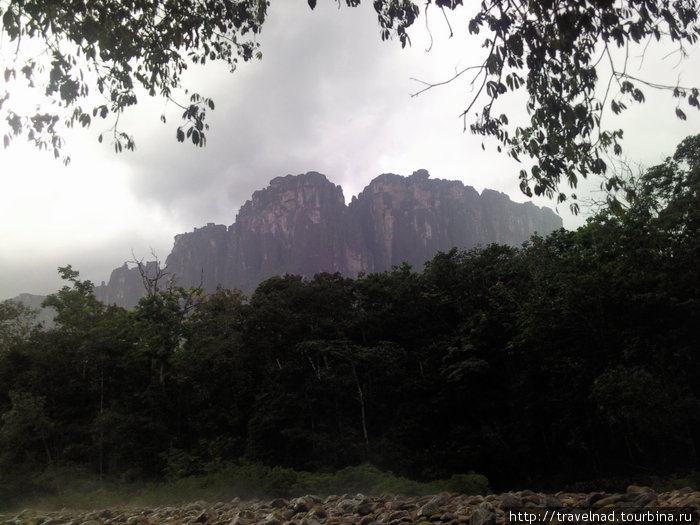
{"x":328,"y":96}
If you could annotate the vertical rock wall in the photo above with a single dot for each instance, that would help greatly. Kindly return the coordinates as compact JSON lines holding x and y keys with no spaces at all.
{"x":301,"y":225}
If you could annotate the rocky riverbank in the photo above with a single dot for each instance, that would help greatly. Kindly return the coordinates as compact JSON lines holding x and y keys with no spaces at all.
{"x":358,"y":509}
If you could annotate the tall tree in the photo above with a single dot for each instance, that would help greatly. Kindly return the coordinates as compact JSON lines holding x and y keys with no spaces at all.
{"x":214,"y":375}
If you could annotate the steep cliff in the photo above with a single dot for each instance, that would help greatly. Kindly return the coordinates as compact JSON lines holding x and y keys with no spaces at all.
{"x":411,"y":218}
{"x":295,"y":225}
{"x":301,"y":225}
{"x":125,"y":286}
{"x":200,"y":256}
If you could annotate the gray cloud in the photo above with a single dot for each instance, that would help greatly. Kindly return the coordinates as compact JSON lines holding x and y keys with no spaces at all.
{"x":328,"y":95}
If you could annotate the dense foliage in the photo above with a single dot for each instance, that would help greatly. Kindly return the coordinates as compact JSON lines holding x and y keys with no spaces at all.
{"x":572,"y":357}
{"x":112,"y":48}
{"x":563,"y":55}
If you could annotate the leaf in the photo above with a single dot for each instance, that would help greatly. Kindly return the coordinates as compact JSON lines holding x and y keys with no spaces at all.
{"x":8,"y":21}
{"x":312,"y":3}
{"x":474,"y":27}
{"x":180,"y":135}
{"x":680,"y":114}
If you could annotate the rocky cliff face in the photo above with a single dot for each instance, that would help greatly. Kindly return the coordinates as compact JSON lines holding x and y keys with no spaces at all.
{"x":301,"y":225}
{"x":295,"y":225}
{"x":125,"y":286}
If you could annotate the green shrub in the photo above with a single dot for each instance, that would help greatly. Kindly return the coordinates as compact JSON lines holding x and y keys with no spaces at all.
{"x":467,"y":484}
{"x":72,"y":488}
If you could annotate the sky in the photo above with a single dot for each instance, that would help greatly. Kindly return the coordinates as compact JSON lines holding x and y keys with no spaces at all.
{"x":327,"y":96}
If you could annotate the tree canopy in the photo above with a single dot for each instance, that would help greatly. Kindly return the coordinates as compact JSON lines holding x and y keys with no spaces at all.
{"x":550,"y":50}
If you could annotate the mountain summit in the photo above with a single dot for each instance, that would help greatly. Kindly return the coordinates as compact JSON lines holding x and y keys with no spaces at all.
{"x":300,"y":224}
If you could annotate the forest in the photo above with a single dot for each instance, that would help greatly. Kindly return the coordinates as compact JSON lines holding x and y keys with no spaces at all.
{"x":573,"y":357}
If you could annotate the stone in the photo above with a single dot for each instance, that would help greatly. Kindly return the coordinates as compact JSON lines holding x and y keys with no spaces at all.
{"x":645,"y":499}
{"x":550,"y":501}
{"x":318,"y":512}
{"x":510,"y":501}
{"x":594,"y":497}
{"x":608,"y":500}
{"x":483,"y":515}
{"x":636,"y":489}
{"x":432,"y":507}
{"x":386,"y":510}
{"x":273,"y":518}
{"x":364,"y":508}
{"x":301,"y":225}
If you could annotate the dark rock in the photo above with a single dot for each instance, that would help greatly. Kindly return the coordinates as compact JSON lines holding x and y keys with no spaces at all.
{"x":609,"y":500}
{"x":636,"y":489}
{"x":646,"y":499}
{"x":429,"y":509}
{"x":301,"y":225}
{"x":483,"y":515}
{"x":551,"y":501}
{"x":125,"y":286}
{"x":301,"y":505}
{"x":510,"y":501}
{"x":593,"y":497}
{"x":433,"y":506}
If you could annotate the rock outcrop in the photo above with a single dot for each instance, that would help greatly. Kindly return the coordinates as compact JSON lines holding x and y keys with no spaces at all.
{"x":126,"y":285}
{"x":301,"y":225}
{"x":409,"y":219}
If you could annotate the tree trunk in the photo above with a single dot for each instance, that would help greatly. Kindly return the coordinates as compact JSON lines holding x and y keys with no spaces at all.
{"x":362,"y":410}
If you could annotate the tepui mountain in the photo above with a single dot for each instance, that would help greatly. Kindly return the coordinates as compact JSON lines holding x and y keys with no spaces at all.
{"x":300,"y":224}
